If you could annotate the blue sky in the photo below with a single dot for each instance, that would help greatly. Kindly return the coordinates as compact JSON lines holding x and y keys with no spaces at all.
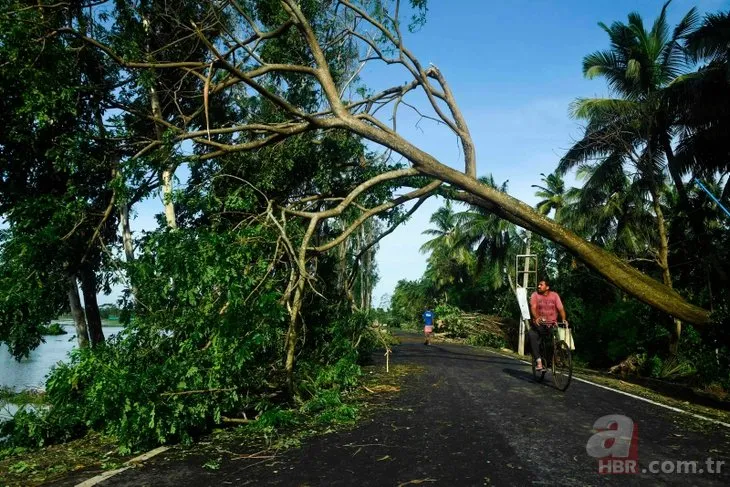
{"x":514,"y":68}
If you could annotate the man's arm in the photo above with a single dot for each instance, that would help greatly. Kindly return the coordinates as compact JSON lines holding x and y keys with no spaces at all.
{"x":533,"y":308}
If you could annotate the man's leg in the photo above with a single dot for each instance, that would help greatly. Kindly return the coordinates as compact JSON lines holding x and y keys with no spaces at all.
{"x":534,"y":339}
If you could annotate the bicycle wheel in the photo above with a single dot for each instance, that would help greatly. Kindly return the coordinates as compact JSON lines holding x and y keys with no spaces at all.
{"x":562,"y":365}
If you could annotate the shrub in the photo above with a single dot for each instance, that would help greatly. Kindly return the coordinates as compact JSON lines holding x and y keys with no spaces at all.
{"x":487,"y":339}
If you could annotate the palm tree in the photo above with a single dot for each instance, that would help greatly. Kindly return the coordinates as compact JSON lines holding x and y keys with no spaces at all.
{"x":637,"y":67}
{"x":552,"y":194}
{"x":489,"y":237}
{"x":701,"y":101}
{"x":631,"y":133}
{"x":610,"y":210}
{"x":450,"y":259}
{"x":446,"y":233}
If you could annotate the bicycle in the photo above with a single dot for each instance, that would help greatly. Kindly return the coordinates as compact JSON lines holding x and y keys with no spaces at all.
{"x":556,"y":356}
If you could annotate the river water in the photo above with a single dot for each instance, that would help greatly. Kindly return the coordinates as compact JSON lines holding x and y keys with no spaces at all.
{"x":30,"y":373}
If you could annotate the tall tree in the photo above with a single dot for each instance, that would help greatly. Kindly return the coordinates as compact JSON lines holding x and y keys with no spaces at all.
{"x":490,"y":238}
{"x":56,"y":165}
{"x":633,"y":129}
{"x":552,"y":194}
{"x":700,"y":102}
{"x":351,"y":24}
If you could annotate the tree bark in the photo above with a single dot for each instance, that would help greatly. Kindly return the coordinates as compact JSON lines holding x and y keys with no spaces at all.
{"x":675,"y":328}
{"x":91,"y":305}
{"x":363,"y":269}
{"x":167,"y":176}
{"x":74,"y":302}
{"x":342,"y":266}
{"x":168,"y":172}
{"x":292,"y":335}
{"x":616,"y":271}
{"x":126,"y":233}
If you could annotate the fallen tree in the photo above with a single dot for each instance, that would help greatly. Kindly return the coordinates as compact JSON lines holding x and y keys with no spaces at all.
{"x":236,"y":60}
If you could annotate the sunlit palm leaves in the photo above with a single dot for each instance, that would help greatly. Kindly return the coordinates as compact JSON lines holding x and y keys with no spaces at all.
{"x":700,"y":101}
{"x":552,"y":194}
{"x":473,"y":244}
{"x":489,"y":238}
{"x":634,"y":126}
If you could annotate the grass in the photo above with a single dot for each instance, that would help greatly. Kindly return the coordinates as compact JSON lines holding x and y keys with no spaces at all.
{"x":273,"y":432}
{"x":27,"y":468}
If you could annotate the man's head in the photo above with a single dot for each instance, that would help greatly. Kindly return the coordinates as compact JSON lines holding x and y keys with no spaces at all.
{"x":543,"y":286}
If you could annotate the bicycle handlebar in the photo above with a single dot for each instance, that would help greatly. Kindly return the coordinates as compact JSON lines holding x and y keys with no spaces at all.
{"x":559,"y":324}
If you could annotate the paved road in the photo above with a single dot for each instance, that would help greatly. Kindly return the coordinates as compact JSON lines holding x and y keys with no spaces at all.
{"x":471,"y":418}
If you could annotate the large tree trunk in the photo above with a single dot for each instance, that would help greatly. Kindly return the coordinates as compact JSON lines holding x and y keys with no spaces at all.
{"x":167,"y":176}
{"x":363,"y":268}
{"x":74,"y":302}
{"x":93,"y":317}
{"x":368,"y":281}
{"x":128,"y":243}
{"x":168,"y":172}
{"x":675,"y":328}
{"x":126,"y":233}
{"x":342,"y":275}
{"x":295,"y":306}
{"x":619,"y":273}
{"x":292,"y":336}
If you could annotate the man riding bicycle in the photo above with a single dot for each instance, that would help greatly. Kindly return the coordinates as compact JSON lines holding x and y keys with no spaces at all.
{"x":545,"y":306}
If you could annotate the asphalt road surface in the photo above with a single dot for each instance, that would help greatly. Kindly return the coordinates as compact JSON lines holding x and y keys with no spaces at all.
{"x":474,"y":417}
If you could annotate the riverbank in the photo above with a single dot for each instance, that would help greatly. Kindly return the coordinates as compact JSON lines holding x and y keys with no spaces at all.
{"x":30,"y":373}
{"x":30,"y":396}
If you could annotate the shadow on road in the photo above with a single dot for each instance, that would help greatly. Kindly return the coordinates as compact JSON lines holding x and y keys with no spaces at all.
{"x":527,"y":377}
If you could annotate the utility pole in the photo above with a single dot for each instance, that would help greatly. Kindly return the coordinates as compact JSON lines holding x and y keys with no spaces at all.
{"x":521,"y":291}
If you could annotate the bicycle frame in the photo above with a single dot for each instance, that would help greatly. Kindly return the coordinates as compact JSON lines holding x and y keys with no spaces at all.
{"x":556,"y":356}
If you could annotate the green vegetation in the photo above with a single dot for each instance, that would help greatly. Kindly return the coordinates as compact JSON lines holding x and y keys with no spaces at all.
{"x":633,"y":160}
{"x":276,"y":430}
{"x":251,"y":300}
{"x":21,"y":397}
{"x":52,"y":329}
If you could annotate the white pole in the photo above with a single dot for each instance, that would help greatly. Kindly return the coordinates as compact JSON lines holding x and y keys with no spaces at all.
{"x":525,"y":283}
{"x":521,"y":343}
